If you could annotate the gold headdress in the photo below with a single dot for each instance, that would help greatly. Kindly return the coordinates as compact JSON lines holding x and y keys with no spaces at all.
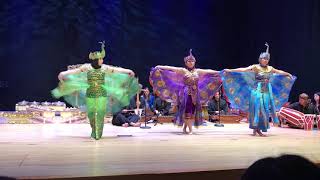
{"x":98,"y":54}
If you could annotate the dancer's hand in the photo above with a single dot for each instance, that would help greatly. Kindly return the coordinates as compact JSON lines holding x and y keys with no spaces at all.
{"x":162,"y":68}
{"x":158,"y":68}
{"x":131,"y":74}
{"x":60,"y":77}
{"x":226,"y":71}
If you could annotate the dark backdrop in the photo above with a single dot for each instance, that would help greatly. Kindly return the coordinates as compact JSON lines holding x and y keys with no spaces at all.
{"x":39,"y":38}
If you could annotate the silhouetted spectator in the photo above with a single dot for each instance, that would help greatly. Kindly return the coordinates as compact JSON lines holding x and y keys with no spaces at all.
{"x":291,"y":167}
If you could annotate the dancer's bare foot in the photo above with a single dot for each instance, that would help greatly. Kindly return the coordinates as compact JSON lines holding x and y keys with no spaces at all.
{"x":260,"y":133}
{"x":254,"y":132}
{"x":185,"y":131}
{"x":125,"y":125}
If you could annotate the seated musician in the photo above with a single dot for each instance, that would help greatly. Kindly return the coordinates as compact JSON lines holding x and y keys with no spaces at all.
{"x":154,"y":106}
{"x":317,"y":101}
{"x":162,"y":107}
{"x":147,"y":102}
{"x":127,"y":117}
{"x":304,"y":105}
{"x":213,"y":106}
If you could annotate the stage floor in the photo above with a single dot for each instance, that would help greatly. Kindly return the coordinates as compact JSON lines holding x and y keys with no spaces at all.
{"x":65,"y":150}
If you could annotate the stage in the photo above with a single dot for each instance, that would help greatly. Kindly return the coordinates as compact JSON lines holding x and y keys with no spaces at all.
{"x":41,"y":151}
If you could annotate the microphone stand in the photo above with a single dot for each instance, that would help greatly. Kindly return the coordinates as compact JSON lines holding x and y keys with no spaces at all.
{"x":219,"y":124}
{"x":145,"y":116}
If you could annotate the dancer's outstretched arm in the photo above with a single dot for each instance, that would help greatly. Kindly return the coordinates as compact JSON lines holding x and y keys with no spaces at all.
{"x":244,"y":69}
{"x":78,"y":70}
{"x":170,"y":68}
{"x":277,"y":71}
{"x":207,"y":71}
{"x":114,"y":69}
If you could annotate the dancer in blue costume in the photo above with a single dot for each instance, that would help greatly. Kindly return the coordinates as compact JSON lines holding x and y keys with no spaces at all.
{"x":259,"y":89}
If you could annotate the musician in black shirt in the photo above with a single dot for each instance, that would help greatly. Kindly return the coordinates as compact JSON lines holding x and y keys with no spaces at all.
{"x":127,"y":117}
{"x":304,"y":105}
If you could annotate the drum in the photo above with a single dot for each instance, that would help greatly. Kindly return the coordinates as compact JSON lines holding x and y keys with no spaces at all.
{"x":308,"y":121}
{"x":228,"y":119}
{"x":292,"y":116}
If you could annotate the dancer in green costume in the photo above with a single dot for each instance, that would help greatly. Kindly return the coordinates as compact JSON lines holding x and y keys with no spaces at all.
{"x":98,"y":87}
